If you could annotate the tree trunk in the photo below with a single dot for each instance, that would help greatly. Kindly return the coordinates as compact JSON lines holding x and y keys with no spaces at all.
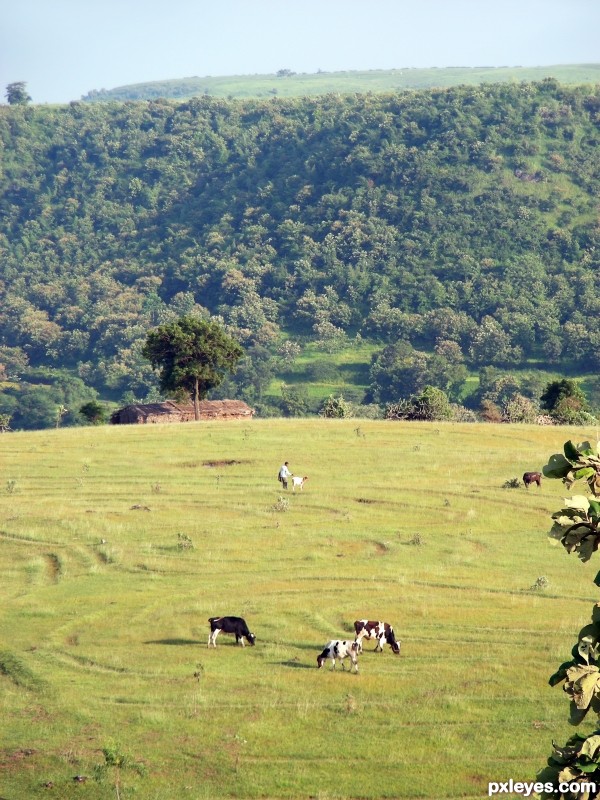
{"x":196,"y":400}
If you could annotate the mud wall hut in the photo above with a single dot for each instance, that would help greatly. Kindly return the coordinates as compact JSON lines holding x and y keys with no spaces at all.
{"x":169,"y":411}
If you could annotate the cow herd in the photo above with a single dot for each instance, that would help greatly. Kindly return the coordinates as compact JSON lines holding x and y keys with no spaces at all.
{"x":335,"y":650}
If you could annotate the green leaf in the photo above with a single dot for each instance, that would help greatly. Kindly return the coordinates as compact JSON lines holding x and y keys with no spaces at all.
{"x":584,"y":472}
{"x":587,"y":768}
{"x":557,"y":467}
{"x":597,"y":579}
{"x":571,"y":451}
{"x":594,"y":512}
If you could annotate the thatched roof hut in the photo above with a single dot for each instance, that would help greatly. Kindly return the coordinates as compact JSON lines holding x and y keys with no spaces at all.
{"x":169,"y":411}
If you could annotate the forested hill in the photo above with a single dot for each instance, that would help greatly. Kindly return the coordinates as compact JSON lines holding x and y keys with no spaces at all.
{"x":467,"y":216}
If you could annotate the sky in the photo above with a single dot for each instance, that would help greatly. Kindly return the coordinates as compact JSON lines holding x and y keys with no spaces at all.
{"x":63,"y":49}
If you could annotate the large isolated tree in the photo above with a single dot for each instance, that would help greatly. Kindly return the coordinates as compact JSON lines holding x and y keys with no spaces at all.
{"x":16,"y":94}
{"x":191,"y":354}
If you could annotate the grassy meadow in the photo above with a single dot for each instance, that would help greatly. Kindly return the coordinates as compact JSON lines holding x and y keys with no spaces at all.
{"x":344,"y":82}
{"x":107,"y":688}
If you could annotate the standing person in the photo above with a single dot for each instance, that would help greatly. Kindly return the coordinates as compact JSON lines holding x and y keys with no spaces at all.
{"x":284,"y":474}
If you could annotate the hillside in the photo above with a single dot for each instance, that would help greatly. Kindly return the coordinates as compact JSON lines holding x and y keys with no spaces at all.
{"x":460,"y":222}
{"x":286,"y":83}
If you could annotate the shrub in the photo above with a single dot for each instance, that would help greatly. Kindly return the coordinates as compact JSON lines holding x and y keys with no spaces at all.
{"x":336,"y":408}
{"x":294,"y":400}
{"x":490,"y":412}
{"x":431,"y":404}
{"x":368,"y":411}
{"x":93,"y":412}
{"x":462,"y":414}
{"x":520,"y":409}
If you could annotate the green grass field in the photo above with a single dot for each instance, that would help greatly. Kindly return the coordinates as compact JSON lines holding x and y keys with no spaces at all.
{"x":350,"y":81}
{"x":104,"y":670}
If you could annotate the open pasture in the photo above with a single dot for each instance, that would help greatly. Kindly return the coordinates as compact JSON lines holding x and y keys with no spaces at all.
{"x":118,"y":543}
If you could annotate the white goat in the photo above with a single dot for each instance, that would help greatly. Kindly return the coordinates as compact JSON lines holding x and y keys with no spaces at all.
{"x":298,"y":481}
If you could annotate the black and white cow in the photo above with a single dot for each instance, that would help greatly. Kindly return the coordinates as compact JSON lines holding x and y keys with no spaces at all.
{"x":235,"y":625}
{"x":382,"y":632}
{"x":337,"y":649}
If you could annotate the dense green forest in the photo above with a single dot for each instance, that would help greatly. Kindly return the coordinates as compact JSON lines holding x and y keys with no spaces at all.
{"x":446,"y":231}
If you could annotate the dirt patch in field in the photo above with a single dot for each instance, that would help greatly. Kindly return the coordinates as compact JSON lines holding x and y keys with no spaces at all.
{"x":14,"y":760}
{"x":225,"y":462}
{"x":380,"y":548}
{"x":54,"y":567}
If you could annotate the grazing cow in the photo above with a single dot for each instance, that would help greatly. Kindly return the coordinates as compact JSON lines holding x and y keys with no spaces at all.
{"x":381,"y":631}
{"x":340,"y":650}
{"x":297,"y":481}
{"x":235,"y":625}
{"x":532,"y":477}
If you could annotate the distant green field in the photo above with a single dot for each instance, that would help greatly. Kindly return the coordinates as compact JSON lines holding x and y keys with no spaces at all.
{"x":308,"y":84}
{"x":345,"y":372}
{"x":104,"y":671}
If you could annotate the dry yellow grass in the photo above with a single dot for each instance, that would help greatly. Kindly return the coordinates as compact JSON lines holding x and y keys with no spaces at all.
{"x":104,"y":623}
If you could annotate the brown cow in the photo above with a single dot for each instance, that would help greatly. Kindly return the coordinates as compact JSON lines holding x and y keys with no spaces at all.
{"x":532,"y":477}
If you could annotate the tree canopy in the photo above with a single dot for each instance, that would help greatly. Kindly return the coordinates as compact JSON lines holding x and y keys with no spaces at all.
{"x":191,"y":354}
{"x":16,"y":94}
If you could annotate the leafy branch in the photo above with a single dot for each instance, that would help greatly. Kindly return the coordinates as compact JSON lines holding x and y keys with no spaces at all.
{"x":577,"y":527}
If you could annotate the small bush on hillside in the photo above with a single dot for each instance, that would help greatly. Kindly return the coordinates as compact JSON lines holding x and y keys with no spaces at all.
{"x":265,"y":410}
{"x":512,"y":483}
{"x":93,"y":412}
{"x":462,"y":414}
{"x":568,"y":412}
{"x":282,"y":504}
{"x":116,"y":761}
{"x":368,"y":411}
{"x":520,"y":409}
{"x":490,"y":412}
{"x":288,"y":352}
{"x":395,"y":411}
{"x":540,"y":584}
{"x":336,"y":408}
{"x":431,"y":404}
{"x":184,"y":542}
{"x":294,"y":401}
{"x":5,"y":423}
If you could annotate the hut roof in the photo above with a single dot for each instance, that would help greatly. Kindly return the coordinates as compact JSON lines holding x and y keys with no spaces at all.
{"x":170,"y":411}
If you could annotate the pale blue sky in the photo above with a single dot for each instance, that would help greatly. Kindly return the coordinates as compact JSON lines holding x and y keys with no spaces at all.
{"x":65,"y":48}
